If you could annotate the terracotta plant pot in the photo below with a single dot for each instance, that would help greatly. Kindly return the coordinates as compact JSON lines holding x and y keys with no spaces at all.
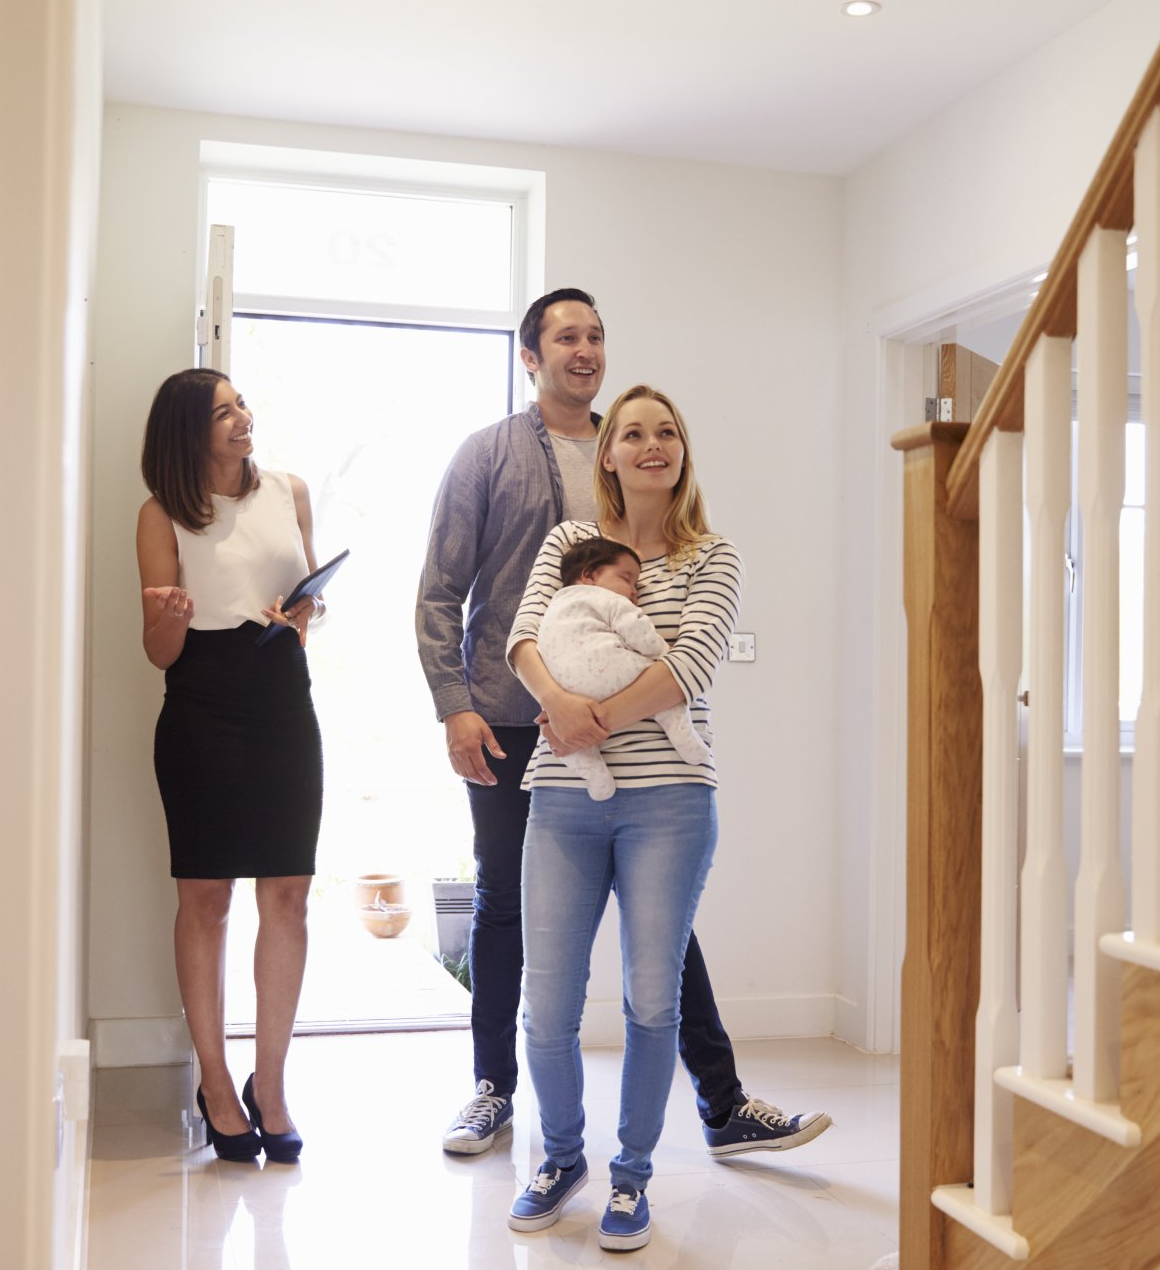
{"x":385,"y":887}
{"x":385,"y":921}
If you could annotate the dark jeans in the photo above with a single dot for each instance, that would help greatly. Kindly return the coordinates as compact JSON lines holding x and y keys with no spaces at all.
{"x":499,"y":814}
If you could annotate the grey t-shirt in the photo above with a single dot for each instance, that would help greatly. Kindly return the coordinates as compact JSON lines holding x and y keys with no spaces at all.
{"x":575,"y":458}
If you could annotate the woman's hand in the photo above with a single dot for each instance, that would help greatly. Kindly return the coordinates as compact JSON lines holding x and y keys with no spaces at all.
{"x":168,"y":611}
{"x":572,"y":722}
{"x":558,"y":748}
{"x":298,"y":616}
{"x":167,"y":603}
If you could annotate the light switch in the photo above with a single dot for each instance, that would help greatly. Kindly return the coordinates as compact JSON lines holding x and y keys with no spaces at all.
{"x":742,"y":646}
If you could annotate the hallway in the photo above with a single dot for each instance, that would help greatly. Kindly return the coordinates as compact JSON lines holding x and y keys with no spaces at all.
{"x":374,"y":1187}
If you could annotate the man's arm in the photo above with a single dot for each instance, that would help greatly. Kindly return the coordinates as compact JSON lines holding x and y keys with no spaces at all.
{"x":449,"y":570}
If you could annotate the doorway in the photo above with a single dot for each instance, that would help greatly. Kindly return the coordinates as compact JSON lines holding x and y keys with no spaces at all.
{"x":369,"y":414}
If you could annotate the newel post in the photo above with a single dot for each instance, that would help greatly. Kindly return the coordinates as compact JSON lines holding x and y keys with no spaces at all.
{"x":940,"y":969}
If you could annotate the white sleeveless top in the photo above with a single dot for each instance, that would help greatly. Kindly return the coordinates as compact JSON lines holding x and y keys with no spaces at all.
{"x":248,"y":556}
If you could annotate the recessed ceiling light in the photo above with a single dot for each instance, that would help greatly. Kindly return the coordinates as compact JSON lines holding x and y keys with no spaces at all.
{"x":860,"y":8}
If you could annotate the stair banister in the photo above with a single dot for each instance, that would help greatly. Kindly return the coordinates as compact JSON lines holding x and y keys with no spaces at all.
{"x":1000,"y":665}
{"x":1044,"y":889}
{"x":1102,"y":348}
{"x":1145,"y":911}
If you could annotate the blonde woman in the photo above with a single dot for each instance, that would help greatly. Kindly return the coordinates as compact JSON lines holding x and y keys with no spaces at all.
{"x":652,"y":841}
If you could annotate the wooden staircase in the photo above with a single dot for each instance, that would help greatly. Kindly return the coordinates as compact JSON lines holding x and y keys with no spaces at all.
{"x":1013,"y":1149}
{"x":1082,"y":1202}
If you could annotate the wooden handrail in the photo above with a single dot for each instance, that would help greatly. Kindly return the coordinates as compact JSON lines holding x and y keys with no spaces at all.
{"x":1107,"y":205}
{"x":924,"y":434}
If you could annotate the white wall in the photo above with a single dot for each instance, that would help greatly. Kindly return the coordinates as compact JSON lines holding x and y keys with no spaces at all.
{"x":720,"y":284}
{"x":979,"y":195}
{"x":49,"y":132}
{"x":761,"y":301}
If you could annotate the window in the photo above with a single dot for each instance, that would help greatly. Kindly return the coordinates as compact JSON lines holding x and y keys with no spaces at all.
{"x":389,"y":248}
{"x":374,"y":326}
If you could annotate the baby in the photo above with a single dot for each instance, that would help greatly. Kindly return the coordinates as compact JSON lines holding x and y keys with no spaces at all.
{"x":595,"y":641}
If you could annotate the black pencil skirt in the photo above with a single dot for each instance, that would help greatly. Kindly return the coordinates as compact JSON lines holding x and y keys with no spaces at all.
{"x":238,"y":757}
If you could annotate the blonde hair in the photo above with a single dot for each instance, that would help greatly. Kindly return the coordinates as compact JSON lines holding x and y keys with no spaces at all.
{"x":686,"y":524}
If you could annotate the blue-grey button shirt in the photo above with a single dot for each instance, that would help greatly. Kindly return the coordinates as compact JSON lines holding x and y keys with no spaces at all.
{"x":500,"y":496}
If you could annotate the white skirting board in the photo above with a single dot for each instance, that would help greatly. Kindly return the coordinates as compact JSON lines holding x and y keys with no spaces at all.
{"x":162,"y":1041}
{"x":140,"y":1042}
{"x":748,"y":1018}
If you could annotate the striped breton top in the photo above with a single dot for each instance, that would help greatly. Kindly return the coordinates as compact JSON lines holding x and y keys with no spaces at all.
{"x":694,"y":607}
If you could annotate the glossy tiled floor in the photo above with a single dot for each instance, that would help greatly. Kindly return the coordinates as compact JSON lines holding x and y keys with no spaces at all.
{"x":374,"y":1188}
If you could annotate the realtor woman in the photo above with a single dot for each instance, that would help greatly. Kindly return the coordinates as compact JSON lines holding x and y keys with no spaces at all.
{"x":237,"y":750}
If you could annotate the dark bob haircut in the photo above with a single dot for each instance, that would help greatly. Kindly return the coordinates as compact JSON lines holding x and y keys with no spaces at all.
{"x":173,"y":455}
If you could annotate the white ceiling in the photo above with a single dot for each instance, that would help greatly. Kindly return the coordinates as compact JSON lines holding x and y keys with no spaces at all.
{"x":787,"y":84}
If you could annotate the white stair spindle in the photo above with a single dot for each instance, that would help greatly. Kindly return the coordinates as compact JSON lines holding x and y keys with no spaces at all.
{"x":1099,"y":889}
{"x":1145,"y":916}
{"x":1000,"y":661}
{"x":1044,"y":901}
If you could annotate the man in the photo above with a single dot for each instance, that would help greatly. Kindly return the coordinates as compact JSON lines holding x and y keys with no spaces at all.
{"x":506,"y":487}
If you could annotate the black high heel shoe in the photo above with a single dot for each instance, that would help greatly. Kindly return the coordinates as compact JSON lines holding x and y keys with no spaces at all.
{"x":229,"y":1146}
{"x":282,"y":1148}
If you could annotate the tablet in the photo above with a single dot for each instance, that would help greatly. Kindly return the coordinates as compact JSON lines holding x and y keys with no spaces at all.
{"x":311,"y":584}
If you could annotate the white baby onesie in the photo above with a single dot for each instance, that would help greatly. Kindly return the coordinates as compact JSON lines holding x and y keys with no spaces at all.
{"x":596,"y":642}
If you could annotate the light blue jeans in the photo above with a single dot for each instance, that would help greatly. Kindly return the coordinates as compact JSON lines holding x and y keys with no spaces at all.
{"x":654,"y":846}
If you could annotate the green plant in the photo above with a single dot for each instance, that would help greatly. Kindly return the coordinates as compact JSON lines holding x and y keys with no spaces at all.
{"x":459,"y":970}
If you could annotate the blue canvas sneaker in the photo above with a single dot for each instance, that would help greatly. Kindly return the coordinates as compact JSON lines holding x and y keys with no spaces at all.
{"x":625,"y":1224}
{"x":478,"y":1124}
{"x":539,"y":1206}
{"x":760,"y":1126}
